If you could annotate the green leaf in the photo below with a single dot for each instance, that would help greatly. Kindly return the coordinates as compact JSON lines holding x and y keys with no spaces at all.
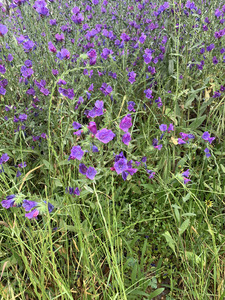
{"x":156,"y":293}
{"x":88,"y":188}
{"x":171,"y":66}
{"x":188,"y":215}
{"x":222,"y":168}
{"x":170,"y":241}
{"x":192,"y":257}
{"x":184,"y":226}
{"x":186,"y":198}
{"x":197,"y":122}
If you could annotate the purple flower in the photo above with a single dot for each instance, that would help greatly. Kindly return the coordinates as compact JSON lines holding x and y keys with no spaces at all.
{"x":22,"y":117}
{"x":28,"y":205}
{"x":3,"y":30}
{"x":76,"y":125}
{"x":95,"y":148}
{"x":9,"y":201}
{"x":105,"y":135}
{"x":206,"y":137}
{"x":4,"y":158}
{"x":186,"y":180}
{"x":148,"y":93}
{"x":215,"y":60}
{"x":22,"y":165}
{"x":97,"y":110}
{"x":207,"y":153}
{"x":125,"y":37}
{"x":132,"y":76}
{"x":163,"y":127}
{"x":186,"y":173}
{"x":44,"y":91}
{"x":131,"y":105}
{"x":151,"y":174}
{"x":51,"y":47}
{"x":92,"y":54}
{"x":50,"y":207}
{"x":210,"y":47}
{"x":120,"y":165}
{"x":61,"y":81}
{"x":18,"y":174}
{"x":26,"y":72}
{"x":53,"y":22}
{"x":106,"y":52}
{"x":33,"y":214}
{"x":63,"y":54}
{"x":142,"y":38}
{"x":171,"y":127}
{"x":106,"y":89}
{"x":55,"y":72}
{"x":76,"y":153}
{"x":180,"y":141}
{"x":73,"y":191}
{"x":2,"y":91}
{"x":82,"y":169}
{"x":59,"y":37}
{"x":2,"y":69}
{"x":126,"y":123}
{"x":28,"y":46}
{"x":91,"y":172}
{"x":92,"y":127}
{"x":126,"y":138}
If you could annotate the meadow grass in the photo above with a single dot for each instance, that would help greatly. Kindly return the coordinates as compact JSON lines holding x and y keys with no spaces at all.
{"x":112,"y":157}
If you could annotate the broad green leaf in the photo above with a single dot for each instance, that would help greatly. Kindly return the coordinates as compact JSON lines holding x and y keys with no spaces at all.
{"x":184,"y":226}
{"x":170,"y":241}
{"x":156,"y":293}
{"x":197,"y":122}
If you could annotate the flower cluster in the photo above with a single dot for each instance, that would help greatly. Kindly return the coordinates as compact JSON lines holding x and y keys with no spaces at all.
{"x":32,"y":208}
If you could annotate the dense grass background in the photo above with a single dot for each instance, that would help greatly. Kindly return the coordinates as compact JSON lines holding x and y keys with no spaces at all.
{"x":158,"y":234}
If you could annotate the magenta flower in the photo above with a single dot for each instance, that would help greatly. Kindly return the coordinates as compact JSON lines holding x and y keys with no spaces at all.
{"x":76,"y":153}
{"x":105,"y":135}
{"x":59,"y":37}
{"x":126,"y":123}
{"x":92,"y":127}
{"x":33,"y":214}
{"x":180,"y":141}
{"x":126,"y":138}
{"x":51,"y":47}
